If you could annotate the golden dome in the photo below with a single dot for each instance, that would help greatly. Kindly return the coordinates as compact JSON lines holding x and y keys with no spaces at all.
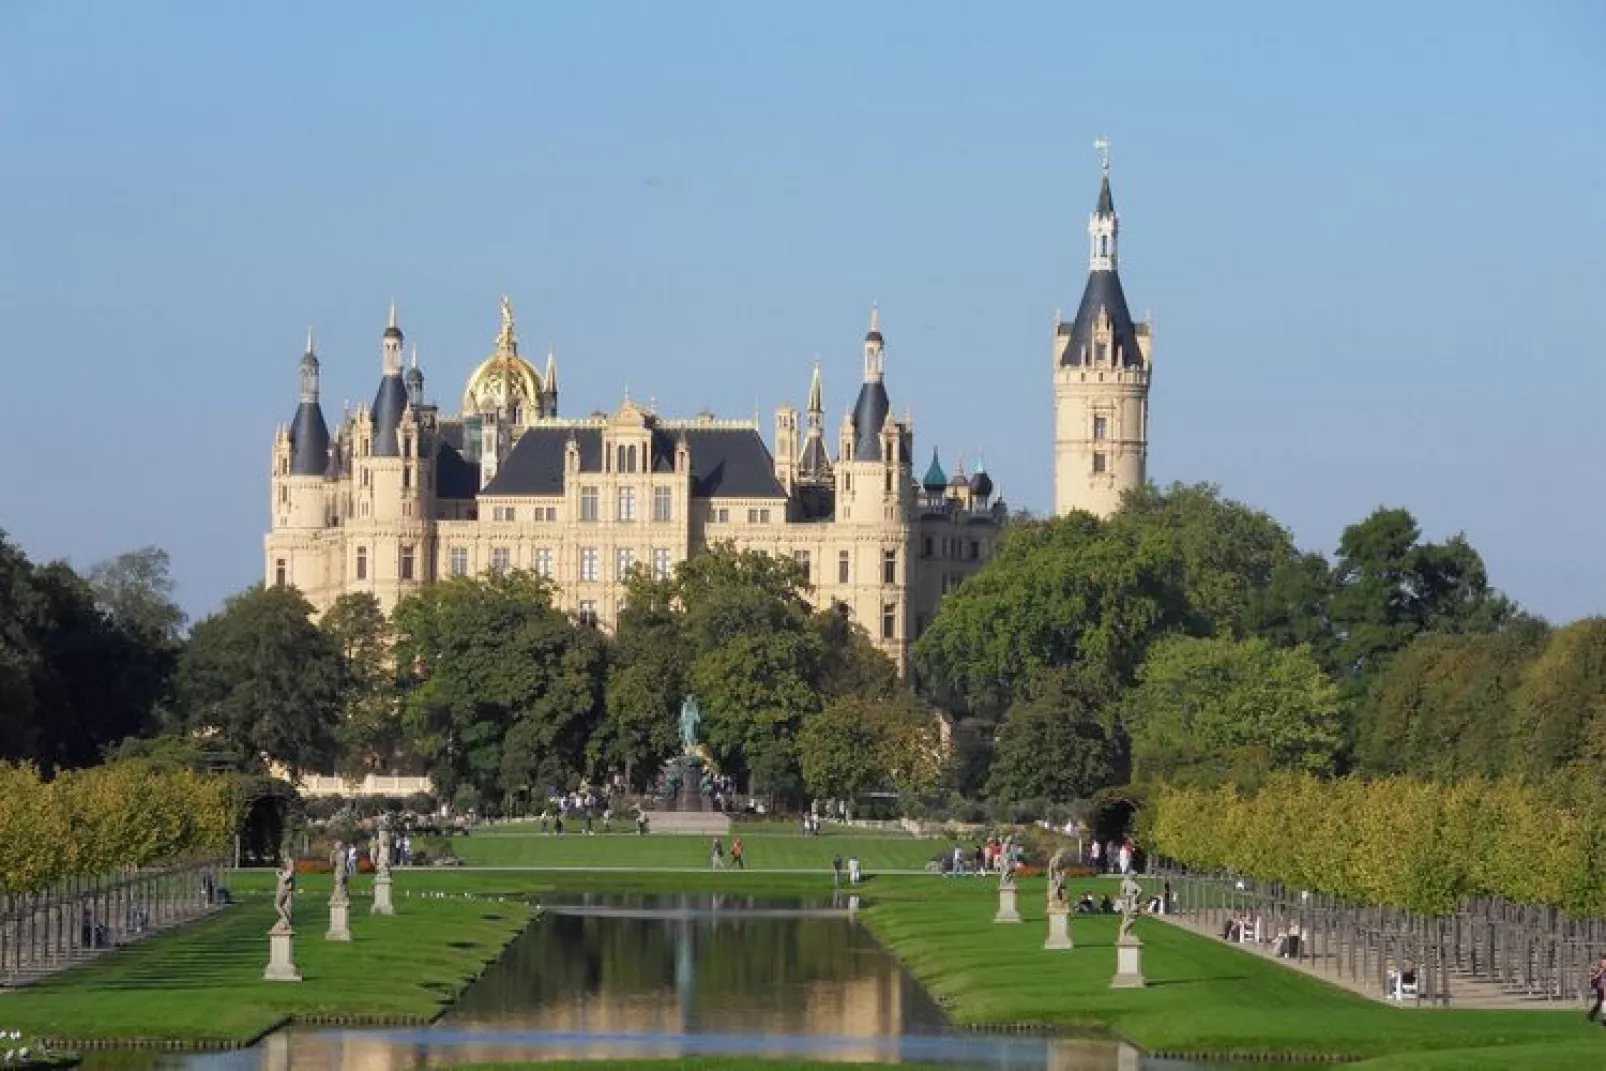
{"x":504,"y":379}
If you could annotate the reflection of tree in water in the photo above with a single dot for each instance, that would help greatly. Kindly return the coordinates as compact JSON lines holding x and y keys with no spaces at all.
{"x":734,"y":960}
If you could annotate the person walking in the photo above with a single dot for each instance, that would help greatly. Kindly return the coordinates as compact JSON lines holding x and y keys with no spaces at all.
{"x":716,"y":856}
{"x":736,"y":854}
{"x":836,"y":871}
{"x":1597,"y":986}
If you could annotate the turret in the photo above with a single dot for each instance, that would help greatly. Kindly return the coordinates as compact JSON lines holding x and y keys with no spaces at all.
{"x":414,"y":381}
{"x":1101,"y":379}
{"x":391,"y":398}
{"x":873,"y":479}
{"x":814,"y":466}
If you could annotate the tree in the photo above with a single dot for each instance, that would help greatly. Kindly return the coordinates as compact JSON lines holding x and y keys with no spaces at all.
{"x":267,"y":679}
{"x":370,"y":733}
{"x":647,"y":674}
{"x":1056,"y":745}
{"x":1066,"y":592}
{"x":1388,"y":587}
{"x":136,"y":591}
{"x":501,"y":690}
{"x":859,"y":744}
{"x":850,"y":663}
{"x":1559,"y":708}
{"x":1228,"y":551}
{"x":1200,"y":700}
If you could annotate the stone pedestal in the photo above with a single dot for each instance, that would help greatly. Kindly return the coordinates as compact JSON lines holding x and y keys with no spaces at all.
{"x":281,"y":956}
{"x":1007,"y":911}
{"x":382,"y":905}
{"x":1059,"y":928}
{"x":1128,"y":964}
{"x":339,"y":924}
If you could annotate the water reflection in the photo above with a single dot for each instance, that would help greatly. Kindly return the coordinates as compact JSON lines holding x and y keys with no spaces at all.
{"x":644,"y":977}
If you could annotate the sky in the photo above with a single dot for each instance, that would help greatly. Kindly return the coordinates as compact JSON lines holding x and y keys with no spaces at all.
{"x":1372,"y":237}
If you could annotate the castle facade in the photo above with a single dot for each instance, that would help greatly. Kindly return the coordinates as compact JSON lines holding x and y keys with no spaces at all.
{"x":401,"y":494}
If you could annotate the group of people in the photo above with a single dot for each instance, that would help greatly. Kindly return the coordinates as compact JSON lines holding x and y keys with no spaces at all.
{"x":1111,"y":857}
{"x":738,"y":854}
{"x":991,"y":856}
{"x":582,"y":807}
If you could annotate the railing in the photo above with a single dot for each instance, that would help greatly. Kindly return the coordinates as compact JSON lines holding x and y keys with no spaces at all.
{"x":1513,"y":951}
{"x":52,"y":929}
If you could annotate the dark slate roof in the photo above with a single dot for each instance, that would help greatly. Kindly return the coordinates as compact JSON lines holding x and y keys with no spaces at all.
{"x":389,"y":402}
{"x":815,"y":462}
{"x":869,"y":414}
{"x":1103,"y":292}
{"x":936,"y":479}
{"x":455,"y":477}
{"x":1106,"y":205}
{"x":981,"y":484}
{"x":725,"y":462}
{"x":309,"y":441}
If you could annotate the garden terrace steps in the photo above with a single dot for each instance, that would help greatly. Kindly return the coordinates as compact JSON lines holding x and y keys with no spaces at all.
{"x":1466,"y":992}
{"x":688,"y":823}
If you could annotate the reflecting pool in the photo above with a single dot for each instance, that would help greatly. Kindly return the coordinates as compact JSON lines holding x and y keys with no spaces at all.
{"x":663,"y":976}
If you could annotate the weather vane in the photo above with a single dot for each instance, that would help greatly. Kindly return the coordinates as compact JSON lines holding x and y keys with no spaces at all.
{"x":1102,"y":144}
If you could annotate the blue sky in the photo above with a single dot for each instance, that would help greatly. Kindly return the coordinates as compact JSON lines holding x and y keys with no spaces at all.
{"x":1373,"y":237}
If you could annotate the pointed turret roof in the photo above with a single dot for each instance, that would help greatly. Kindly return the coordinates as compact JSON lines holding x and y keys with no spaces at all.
{"x":872,"y":406}
{"x":935,"y":480}
{"x":309,"y":435}
{"x":549,"y":381}
{"x":1102,"y":297}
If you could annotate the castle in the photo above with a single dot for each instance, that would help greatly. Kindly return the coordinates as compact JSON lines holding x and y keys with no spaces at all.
{"x":403,"y":494}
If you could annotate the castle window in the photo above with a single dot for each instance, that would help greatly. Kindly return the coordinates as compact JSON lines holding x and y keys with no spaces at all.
{"x":501,"y":560}
{"x":627,"y":502}
{"x":279,"y":573}
{"x":663,"y":504}
{"x":630,"y":458}
{"x":802,"y":559}
{"x":925,"y":547}
{"x":588,"y":564}
{"x":365,"y":477}
{"x":975,"y":549}
{"x":362,"y":563}
{"x":407,"y":477}
{"x":588,"y":504}
{"x":459,"y":565}
{"x":503,"y":513}
{"x":406,"y":563}
{"x":588,"y":613}
{"x":284,"y":495}
{"x":543,"y":562}
{"x":1100,"y":464}
{"x":1101,"y":427}
{"x":844,"y":566}
{"x":624,"y":561}
{"x":889,"y":620}
{"x":752,"y":516}
{"x":660,"y":563}
{"x":889,"y":566}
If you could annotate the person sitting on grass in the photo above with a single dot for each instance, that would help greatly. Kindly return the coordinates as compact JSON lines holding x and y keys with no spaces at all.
{"x":1106,"y":907}
{"x":1085,"y":906}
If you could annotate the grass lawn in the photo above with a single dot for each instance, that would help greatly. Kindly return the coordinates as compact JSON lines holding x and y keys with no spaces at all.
{"x":1560,"y":1056}
{"x":766,"y":849}
{"x":1203,"y":996}
{"x":203,"y":983}
{"x":693,"y":1063}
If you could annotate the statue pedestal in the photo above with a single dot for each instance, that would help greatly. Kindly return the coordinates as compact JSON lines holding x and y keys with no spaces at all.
{"x":1007,"y":911}
{"x":281,"y":956}
{"x":1128,"y":964}
{"x":382,"y":905}
{"x":1059,"y":928}
{"x":339,"y":924}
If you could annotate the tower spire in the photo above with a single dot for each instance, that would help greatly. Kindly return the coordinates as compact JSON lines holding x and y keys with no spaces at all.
{"x":392,"y":313}
{"x":816,"y":395}
{"x":874,"y":346}
{"x":1103,"y":226}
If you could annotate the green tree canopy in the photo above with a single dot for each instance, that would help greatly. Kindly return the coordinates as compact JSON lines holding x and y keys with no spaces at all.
{"x":870,"y":744}
{"x":1056,"y":745}
{"x":1068,"y":592}
{"x":371,"y":735}
{"x":267,"y":679}
{"x":501,"y":690}
{"x":1207,"y":698}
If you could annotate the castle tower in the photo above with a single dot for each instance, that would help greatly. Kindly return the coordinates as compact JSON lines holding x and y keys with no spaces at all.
{"x":1102,"y":367}
{"x":301,"y":494}
{"x":815,"y":465}
{"x":868,"y":560}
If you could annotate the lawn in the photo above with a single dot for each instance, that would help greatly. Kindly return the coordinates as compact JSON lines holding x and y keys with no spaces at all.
{"x":693,"y":1063}
{"x":203,"y":983}
{"x":766,"y":849}
{"x":1204,"y":996}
